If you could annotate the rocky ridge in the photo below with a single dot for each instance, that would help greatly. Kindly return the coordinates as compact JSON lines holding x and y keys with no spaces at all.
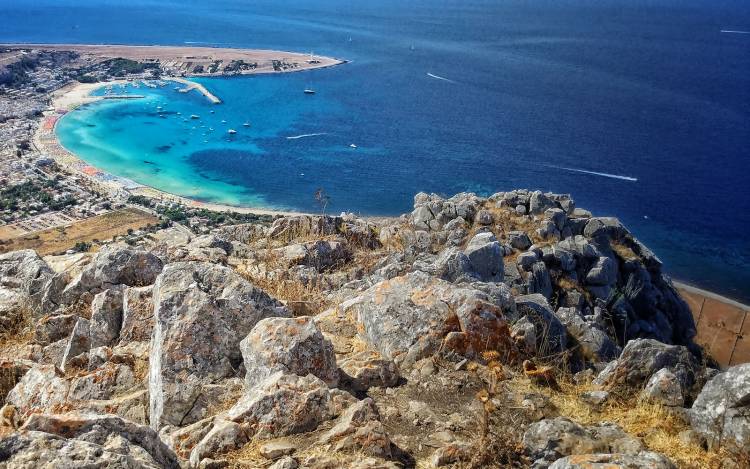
{"x":515,"y":330}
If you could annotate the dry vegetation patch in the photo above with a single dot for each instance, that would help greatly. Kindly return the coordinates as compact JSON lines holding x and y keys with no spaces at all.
{"x":102,"y":227}
{"x":657,"y":426}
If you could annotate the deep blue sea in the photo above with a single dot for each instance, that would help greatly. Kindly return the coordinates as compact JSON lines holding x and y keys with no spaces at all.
{"x":532,"y":93}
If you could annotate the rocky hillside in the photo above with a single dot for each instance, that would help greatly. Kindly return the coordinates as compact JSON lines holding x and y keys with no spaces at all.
{"x":509,"y":331}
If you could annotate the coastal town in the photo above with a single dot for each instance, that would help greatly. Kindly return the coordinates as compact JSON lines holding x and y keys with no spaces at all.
{"x":44,"y":187}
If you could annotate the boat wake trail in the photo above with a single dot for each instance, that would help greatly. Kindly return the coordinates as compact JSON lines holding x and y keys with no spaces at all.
{"x":295,"y":137}
{"x":431,"y":75}
{"x":606,"y":175}
{"x":734,"y":31}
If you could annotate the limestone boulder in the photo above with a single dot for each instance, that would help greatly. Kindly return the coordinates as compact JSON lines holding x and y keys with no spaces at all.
{"x":664,"y":388}
{"x":486,"y":257}
{"x":408,"y":317}
{"x":78,"y":343}
{"x":113,"y":265}
{"x":106,"y":317}
{"x":50,"y":329}
{"x":359,"y":429}
{"x":137,"y":314}
{"x":223,"y":437}
{"x":40,"y":449}
{"x":41,"y":389}
{"x":11,"y":372}
{"x":284,"y":404}
{"x":548,"y":440}
{"x":291,"y":345}
{"x":367,"y":369}
{"x":26,"y":281}
{"x":201,"y":313}
{"x":640,"y":460}
{"x":110,"y":433}
{"x":595,"y":344}
{"x":642,"y":358}
{"x":551,"y":335}
{"x":604,"y":272}
{"x":721,"y":412}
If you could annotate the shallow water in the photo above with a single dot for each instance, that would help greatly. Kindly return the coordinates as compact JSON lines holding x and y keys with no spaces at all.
{"x":448,"y":96}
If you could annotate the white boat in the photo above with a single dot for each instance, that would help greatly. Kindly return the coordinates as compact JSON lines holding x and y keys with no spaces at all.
{"x":223,"y":121}
{"x":195,"y":116}
{"x":309,"y":91}
{"x":246,"y":124}
{"x":353,"y":146}
{"x":212,"y":112}
{"x":232,"y":131}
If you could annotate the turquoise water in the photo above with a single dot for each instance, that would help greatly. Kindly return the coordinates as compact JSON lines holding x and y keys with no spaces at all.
{"x":155,"y":141}
{"x":651,"y":94}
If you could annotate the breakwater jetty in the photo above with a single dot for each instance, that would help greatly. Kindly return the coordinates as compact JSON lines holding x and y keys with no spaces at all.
{"x":191,"y":85}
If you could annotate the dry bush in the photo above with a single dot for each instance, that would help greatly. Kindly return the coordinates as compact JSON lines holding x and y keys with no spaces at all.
{"x":302,"y":299}
{"x":498,"y":440}
{"x":16,"y":330}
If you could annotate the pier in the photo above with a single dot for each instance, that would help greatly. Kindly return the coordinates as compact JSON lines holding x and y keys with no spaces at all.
{"x":190,"y":85}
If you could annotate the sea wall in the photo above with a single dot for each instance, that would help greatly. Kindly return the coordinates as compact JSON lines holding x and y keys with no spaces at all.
{"x":723,"y":325}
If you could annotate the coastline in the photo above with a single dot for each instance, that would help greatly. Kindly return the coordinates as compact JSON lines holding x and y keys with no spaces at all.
{"x":74,"y":95}
{"x":70,"y":97}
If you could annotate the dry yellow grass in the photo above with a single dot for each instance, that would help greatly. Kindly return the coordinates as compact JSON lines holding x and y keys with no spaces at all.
{"x":302,"y":299}
{"x":655,"y":425}
{"x":15,"y":332}
{"x":623,"y":251}
{"x":102,"y":227}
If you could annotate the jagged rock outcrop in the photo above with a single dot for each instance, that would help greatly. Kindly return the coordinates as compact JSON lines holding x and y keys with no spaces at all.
{"x":113,"y":265}
{"x":642,"y":358}
{"x":202,"y":311}
{"x":407,"y":346}
{"x":721,"y":412}
{"x":25,"y":283}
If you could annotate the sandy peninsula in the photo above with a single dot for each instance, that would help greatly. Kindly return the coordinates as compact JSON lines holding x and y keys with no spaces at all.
{"x":196,"y":61}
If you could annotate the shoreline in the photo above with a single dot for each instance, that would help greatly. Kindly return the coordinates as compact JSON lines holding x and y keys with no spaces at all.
{"x":174,"y":58}
{"x":67,"y":99}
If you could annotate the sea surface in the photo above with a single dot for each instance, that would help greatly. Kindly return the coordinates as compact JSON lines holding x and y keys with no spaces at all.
{"x":640,"y":109}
